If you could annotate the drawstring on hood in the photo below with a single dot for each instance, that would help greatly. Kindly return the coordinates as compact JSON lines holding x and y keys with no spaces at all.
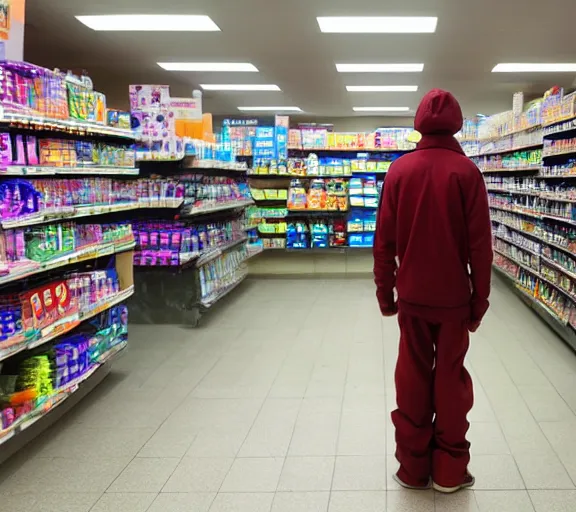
{"x":439,"y":113}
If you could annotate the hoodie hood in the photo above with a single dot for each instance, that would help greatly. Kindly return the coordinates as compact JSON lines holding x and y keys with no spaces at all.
{"x":439,"y":113}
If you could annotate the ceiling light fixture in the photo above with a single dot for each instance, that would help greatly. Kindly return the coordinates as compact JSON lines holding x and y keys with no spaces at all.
{"x":377,"y":24}
{"x":534,"y":68}
{"x":209,"y":66}
{"x":381,"y":88}
{"x":150,"y":23}
{"x":270,"y":109}
{"x":381,"y":109}
{"x":379,"y":68}
{"x":239,"y":87}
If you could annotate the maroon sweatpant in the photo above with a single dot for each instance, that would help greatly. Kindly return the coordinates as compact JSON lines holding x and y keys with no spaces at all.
{"x":434,"y":394}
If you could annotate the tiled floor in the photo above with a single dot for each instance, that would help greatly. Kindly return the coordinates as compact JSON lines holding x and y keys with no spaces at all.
{"x":280,"y":403}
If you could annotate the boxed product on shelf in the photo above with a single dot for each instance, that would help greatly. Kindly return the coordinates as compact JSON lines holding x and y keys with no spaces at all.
{"x":32,"y":90}
{"x":161,"y":243}
{"x":34,"y":384}
{"x":557,"y":106}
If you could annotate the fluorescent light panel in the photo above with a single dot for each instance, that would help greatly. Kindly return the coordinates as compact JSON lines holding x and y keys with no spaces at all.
{"x":269,"y":109}
{"x":381,"y":88}
{"x":379,"y":68}
{"x":377,"y":24}
{"x":381,"y":109}
{"x":150,"y":23}
{"x":239,"y":87}
{"x":534,"y":68}
{"x":209,"y":66}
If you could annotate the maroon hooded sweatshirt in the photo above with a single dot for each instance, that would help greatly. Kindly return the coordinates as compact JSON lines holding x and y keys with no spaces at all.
{"x":434,"y":217}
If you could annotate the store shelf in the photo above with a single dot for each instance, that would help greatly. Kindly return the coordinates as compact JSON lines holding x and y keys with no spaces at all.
{"x":536,"y":237}
{"x":527,"y":268}
{"x":512,"y":242}
{"x":545,"y":311}
{"x":84,"y":254}
{"x":510,"y":191}
{"x":512,"y":150}
{"x":212,"y":254}
{"x":571,"y":151}
{"x":190,"y":163}
{"x":318,"y":213}
{"x":538,"y":275}
{"x":59,"y":396}
{"x":508,"y":134}
{"x":559,"y":267}
{"x":535,"y":215}
{"x":253,"y":253}
{"x":87,"y":211}
{"x":31,"y":171}
{"x":351,"y":150}
{"x":559,"y":121}
{"x":231,"y":205}
{"x":29,"y":122}
{"x":298,"y":177}
{"x":555,"y":176}
{"x":67,"y":324}
{"x":515,"y":169}
{"x":208,"y":302}
{"x":551,"y":133}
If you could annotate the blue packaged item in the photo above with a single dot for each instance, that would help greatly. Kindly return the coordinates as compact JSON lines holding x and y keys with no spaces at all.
{"x":368,"y":240}
{"x":319,"y":235}
{"x":355,"y":240}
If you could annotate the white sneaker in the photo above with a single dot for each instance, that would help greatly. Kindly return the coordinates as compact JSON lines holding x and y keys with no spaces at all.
{"x":469,"y":481}
{"x":401,"y":483}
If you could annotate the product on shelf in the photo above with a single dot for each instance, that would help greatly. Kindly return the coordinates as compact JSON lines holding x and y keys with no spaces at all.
{"x":559,"y":146}
{"x":162,"y":243}
{"x":318,"y":137}
{"x":220,"y":275}
{"x":36,"y":384}
{"x":23,"y":251}
{"x":516,"y":160}
{"x":557,"y":106}
{"x":201,"y":191}
{"x":297,"y":235}
{"x":322,"y":194}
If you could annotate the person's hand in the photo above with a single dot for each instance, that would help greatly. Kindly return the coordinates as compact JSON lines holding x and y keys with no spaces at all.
{"x":389,"y":311}
{"x":473,"y":326}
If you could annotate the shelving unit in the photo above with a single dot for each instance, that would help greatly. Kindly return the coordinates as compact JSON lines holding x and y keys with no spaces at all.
{"x":177,"y":291}
{"x":62,"y":284}
{"x":534,"y":223}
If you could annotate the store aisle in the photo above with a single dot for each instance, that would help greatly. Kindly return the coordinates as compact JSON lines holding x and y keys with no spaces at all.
{"x":281,"y":403}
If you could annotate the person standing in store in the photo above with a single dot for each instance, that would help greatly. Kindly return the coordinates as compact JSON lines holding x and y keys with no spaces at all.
{"x":434,"y":246}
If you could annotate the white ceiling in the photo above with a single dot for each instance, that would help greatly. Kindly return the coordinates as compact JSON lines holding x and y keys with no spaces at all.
{"x":282,"y":39}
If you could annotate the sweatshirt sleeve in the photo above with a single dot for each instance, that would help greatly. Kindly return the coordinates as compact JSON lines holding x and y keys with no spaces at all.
{"x":385,"y":248}
{"x":480,"y":246}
